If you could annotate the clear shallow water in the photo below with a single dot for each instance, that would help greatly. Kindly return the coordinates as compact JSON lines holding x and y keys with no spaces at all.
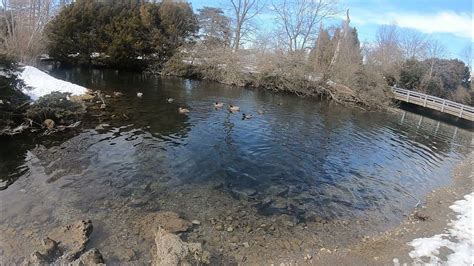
{"x":301,"y":159}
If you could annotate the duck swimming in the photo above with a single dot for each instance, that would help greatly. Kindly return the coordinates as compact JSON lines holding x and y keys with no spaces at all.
{"x":182,"y":110}
{"x":246,"y":116}
{"x":218,"y":105}
{"x":139,"y":94}
{"x":233,"y":108}
{"x":170,"y":100}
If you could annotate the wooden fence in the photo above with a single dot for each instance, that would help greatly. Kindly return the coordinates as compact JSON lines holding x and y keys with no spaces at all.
{"x":435,"y":103}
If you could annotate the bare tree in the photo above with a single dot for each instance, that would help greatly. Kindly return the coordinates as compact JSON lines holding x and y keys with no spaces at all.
{"x":244,"y":11}
{"x":434,"y":49}
{"x":342,"y":38}
{"x":466,"y":55}
{"x":387,"y":55}
{"x":299,"y":20}
{"x":23,"y":23}
{"x":265,"y":42}
{"x":414,"y":44}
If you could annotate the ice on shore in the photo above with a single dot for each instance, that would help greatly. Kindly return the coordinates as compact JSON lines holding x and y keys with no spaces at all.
{"x":40,"y":83}
{"x":458,"y":239}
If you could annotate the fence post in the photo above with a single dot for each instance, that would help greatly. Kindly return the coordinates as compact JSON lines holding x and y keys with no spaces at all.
{"x":408,"y":96}
{"x":426,"y":98}
{"x":462,"y":109}
{"x":442,"y":107}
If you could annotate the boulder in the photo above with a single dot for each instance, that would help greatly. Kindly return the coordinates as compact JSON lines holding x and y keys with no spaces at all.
{"x":67,"y":245}
{"x":73,"y":238}
{"x":49,"y":123}
{"x":83,"y":97}
{"x":91,"y":257}
{"x":171,"y":250}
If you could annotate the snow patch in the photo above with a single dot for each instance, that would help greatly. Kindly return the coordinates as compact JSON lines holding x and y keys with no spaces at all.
{"x":458,"y":238}
{"x":41,"y":84}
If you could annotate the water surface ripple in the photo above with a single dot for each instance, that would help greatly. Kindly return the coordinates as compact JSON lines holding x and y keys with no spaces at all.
{"x":300,"y":156}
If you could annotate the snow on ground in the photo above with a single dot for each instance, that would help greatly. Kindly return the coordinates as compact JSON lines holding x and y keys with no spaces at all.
{"x":458,"y":238}
{"x":41,"y":84}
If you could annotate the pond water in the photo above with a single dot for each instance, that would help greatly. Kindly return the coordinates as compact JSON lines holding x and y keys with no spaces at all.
{"x":307,"y":169}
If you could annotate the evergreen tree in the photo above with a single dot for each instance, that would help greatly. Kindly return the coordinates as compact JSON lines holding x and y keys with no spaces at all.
{"x":322,"y":53}
{"x":412,"y":74}
{"x":215,"y":26}
{"x":120,"y":33}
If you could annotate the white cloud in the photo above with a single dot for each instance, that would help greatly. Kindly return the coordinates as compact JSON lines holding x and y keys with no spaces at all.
{"x":459,"y":24}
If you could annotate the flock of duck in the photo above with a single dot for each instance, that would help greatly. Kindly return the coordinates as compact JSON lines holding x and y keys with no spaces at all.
{"x":217,"y":105}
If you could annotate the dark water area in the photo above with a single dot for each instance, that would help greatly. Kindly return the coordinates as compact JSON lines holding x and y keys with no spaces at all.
{"x":302,"y":159}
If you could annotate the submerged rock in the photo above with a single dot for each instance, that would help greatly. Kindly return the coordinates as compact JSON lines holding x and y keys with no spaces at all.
{"x":243,"y":193}
{"x":171,"y":250}
{"x":166,"y":220}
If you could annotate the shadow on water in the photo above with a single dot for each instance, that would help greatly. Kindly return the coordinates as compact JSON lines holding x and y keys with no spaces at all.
{"x":436,"y":115}
{"x":299,"y":158}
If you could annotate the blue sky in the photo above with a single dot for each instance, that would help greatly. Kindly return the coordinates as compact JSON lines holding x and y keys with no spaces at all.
{"x":449,"y":21}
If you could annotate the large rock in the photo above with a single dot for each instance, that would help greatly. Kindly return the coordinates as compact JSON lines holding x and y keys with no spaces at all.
{"x":83,"y":97}
{"x":67,"y":245}
{"x":73,"y":238}
{"x":49,"y":123}
{"x":91,"y":257}
{"x":171,"y":250}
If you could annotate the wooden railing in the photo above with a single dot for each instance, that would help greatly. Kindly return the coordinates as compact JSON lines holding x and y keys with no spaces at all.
{"x":435,"y":103}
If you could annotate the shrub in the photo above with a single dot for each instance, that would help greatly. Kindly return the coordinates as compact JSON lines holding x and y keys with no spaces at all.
{"x":56,"y":106}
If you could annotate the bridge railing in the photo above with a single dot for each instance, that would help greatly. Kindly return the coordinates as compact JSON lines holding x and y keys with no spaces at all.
{"x":461,"y":110}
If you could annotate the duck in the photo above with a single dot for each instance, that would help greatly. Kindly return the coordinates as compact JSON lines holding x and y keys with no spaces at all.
{"x":182,"y":110}
{"x":246,"y":116}
{"x":139,"y":94}
{"x":218,"y":105}
{"x":233,"y":108}
{"x":118,"y":94}
{"x":170,"y":100}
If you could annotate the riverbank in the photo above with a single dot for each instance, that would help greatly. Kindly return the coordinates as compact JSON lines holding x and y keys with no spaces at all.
{"x":435,"y":216}
{"x":366,"y":90}
{"x":34,"y":101}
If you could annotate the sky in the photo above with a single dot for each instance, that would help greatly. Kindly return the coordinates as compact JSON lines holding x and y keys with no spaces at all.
{"x":448,"y":21}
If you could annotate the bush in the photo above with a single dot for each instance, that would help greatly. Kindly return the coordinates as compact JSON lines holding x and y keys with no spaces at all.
{"x":56,"y":106}
{"x":175,"y":67}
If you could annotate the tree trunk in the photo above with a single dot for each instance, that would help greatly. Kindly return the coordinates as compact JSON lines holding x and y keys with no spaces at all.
{"x":237,"y":37}
{"x":343,"y":37}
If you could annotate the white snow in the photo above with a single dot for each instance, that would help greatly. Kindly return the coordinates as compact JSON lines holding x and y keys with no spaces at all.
{"x":458,"y":238}
{"x":41,"y":83}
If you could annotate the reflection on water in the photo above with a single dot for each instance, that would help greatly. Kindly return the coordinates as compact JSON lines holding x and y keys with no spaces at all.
{"x":300,"y":158}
